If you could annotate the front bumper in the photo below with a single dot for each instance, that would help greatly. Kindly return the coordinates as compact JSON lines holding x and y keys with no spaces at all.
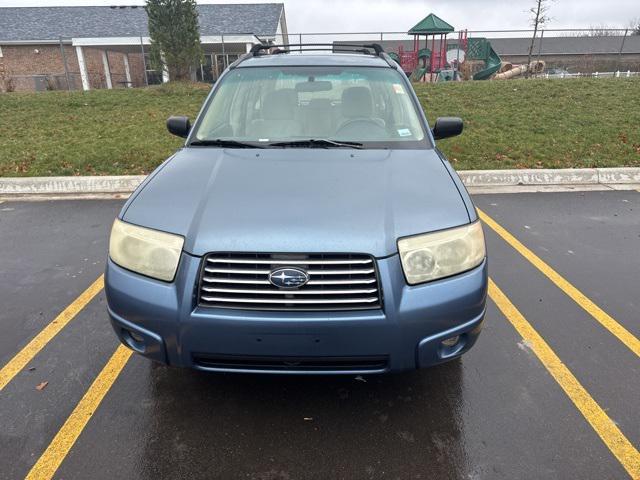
{"x":163,"y":322}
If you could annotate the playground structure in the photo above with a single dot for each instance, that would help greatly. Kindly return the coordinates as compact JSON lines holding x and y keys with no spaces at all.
{"x":464,"y":59}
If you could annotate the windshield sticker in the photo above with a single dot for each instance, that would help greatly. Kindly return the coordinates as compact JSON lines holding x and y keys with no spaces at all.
{"x":398,"y":89}
{"x":404,"y":132}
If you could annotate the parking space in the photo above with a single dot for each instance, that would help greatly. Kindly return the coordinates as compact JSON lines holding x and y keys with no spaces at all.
{"x":550,"y":391}
{"x":51,"y":252}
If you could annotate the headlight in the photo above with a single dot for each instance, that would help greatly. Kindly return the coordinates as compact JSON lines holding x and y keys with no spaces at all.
{"x":142,"y":250}
{"x":441,"y":254}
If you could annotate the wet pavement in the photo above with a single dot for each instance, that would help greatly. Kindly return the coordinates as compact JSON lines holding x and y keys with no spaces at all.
{"x":497,"y":413}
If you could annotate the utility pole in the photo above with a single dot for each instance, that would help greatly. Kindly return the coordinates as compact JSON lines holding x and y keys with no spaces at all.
{"x":66,"y":66}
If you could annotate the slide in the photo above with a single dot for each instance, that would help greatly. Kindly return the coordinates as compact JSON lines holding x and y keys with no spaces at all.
{"x":418,"y":73}
{"x":492,"y":65}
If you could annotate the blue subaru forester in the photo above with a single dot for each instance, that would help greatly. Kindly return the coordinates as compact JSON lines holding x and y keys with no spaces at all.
{"x":309,"y":225}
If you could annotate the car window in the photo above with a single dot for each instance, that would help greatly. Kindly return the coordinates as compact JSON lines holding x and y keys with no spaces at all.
{"x":368,"y":105}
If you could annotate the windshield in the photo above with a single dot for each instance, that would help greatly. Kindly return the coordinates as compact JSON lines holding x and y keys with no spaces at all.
{"x":277,"y":106}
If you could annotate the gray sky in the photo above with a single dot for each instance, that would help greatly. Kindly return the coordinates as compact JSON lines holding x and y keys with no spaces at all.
{"x":400,"y":15}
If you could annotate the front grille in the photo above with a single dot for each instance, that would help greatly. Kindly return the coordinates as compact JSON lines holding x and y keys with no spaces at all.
{"x":336,"y":282}
{"x":292,"y":364}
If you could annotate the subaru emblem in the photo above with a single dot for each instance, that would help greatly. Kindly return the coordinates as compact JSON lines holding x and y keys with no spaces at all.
{"x":288,"y":277}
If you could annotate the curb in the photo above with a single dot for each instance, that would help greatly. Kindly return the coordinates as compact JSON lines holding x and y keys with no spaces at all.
{"x":588,"y":177}
{"x":69,"y":185}
{"x":559,"y":177}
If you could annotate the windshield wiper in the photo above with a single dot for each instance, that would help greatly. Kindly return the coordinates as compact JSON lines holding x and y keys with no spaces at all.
{"x":219,"y":142}
{"x":317,"y":143}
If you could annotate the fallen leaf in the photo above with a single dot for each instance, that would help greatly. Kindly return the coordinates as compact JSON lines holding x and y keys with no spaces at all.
{"x":42,"y":385}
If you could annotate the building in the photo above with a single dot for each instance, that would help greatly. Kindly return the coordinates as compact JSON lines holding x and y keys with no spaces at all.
{"x":575,"y":54}
{"x":47,"y":48}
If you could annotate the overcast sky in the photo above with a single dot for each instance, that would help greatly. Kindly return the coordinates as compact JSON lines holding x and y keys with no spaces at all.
{"x":400,"y":15}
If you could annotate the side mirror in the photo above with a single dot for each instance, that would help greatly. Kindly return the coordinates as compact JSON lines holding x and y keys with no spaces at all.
{"x":447,"y":127}
{"x":179,"y":126}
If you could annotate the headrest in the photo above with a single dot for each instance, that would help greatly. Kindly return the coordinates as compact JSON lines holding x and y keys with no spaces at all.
{"x":357,"y":102}
{"x":320,"y":103}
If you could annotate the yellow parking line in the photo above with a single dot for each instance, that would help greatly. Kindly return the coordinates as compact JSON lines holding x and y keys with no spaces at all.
{"x":24,"y":356}
{"x":52,"y":458}
{"x":563,"y":284}
{"x":610,"y":434}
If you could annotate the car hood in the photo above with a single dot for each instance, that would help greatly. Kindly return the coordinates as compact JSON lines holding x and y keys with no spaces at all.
{"x":298,"y":200}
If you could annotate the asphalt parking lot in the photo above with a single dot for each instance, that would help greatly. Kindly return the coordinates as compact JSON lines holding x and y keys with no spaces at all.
{"x":551,"y":390}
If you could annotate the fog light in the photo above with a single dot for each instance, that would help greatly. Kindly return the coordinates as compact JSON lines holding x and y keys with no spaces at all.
{"x":451,"y":342}
{"x":136,"y":338}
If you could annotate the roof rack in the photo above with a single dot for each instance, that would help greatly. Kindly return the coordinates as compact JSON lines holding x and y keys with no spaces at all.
{"x":365,"y":48}
{"x":275,"y":49}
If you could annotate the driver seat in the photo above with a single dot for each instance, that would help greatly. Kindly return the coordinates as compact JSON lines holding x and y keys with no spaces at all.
{"x":357,"y":104}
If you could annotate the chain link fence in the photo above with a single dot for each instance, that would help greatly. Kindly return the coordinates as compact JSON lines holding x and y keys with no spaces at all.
{"x":563,"y":54}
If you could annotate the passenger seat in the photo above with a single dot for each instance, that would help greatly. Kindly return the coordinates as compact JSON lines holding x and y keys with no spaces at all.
{"x":278,"y":116}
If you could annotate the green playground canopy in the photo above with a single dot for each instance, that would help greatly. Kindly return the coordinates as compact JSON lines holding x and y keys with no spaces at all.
{"x":431,"y":24}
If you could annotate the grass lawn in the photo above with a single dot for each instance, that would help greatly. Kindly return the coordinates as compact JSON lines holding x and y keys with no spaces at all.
{"x":100,"y":132}
{"x":510,"y":124}
{"x":572,"y":123}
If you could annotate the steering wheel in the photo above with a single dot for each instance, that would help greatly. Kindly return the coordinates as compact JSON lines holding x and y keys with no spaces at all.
{"x":364,"y":122}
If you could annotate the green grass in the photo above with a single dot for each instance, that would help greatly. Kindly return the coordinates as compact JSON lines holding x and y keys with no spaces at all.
{"x":539,"y":123}
{"x":101,"y":132}
{"x":511,"y":124}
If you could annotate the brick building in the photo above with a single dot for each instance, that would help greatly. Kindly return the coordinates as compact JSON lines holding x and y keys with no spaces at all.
{"x":49,"y":48}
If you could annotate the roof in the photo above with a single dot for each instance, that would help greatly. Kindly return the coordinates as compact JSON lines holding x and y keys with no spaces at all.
{"x":314,"y":59}
{"x":431,"y":24}
{"x":567,"y":45}
{"x":550,"y":45}
{"x":50,"y":23}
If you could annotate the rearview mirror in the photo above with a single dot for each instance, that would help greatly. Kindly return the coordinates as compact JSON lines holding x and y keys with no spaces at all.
{"x":447,"y":127}
{"x":179,"y":126}
{"x":315,"y":86}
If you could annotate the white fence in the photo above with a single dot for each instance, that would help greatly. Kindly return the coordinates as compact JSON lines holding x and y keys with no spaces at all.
{"x":617,"y":74}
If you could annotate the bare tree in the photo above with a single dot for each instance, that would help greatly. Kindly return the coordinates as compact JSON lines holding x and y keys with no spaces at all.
{"x":539,"y":18}
{"x":634,"y":26}
{"x":601,"y":30}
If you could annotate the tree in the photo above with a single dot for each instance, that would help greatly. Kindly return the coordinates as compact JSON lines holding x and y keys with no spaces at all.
{"x":539,"y":18}
{"x":175,"y":37}
{"x":634,"y":26}
{"x":601,"y":30}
